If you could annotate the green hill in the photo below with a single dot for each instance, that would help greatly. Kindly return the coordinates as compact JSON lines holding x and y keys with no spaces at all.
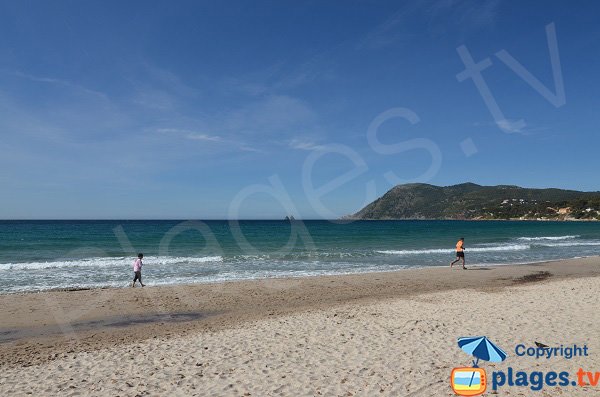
{"x":472,"y":201}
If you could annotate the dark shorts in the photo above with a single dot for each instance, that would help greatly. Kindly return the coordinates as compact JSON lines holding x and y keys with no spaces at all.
{"x":460,"y":254}
{"x":137,"y":276}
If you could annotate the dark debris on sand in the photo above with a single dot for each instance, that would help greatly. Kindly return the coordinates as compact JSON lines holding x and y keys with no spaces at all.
{"x":533,"y":277}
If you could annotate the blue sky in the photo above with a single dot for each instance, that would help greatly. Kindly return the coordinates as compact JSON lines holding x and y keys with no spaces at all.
{"x":156,"y":109}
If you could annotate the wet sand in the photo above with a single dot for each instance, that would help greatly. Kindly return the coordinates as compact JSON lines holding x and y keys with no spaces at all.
{"x":119,"y":315}
{"x":40,"y":330}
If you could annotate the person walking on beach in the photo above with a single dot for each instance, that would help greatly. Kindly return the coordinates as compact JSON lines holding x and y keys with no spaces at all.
{"x":137,"y":270}
{"x":460,"y":252}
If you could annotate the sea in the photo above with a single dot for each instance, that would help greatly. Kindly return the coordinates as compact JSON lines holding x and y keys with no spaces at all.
{"x":48,"y":255}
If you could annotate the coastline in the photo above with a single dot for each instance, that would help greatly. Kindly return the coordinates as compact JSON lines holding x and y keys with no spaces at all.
{"x":471,"y":219}
{"x":328,"y":249}
{"x":91,"y":319}
{"x":374,"y":333}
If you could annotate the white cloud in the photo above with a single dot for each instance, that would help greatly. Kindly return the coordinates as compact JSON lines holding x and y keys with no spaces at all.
{"x":509,"y":126}
{"x":168,"y":80}
{"x":443,"y":16}
{"x":59,"y":82}
{"x":158,"y":89}
{"x":281,"y":76}
{"x":189,"y":134}
{"x":204,"y":137}
{"x":464,"y":14}
{"x":154,"y":99}
{"x":273,"y":115}
{"x":197,"y":136}
{"x":63,"y":112}
{"x":385,"y":33}
{"x":304,"y":145}
{"x":73,"y":115}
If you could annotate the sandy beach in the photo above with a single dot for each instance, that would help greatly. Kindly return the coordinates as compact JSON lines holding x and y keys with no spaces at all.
{"x":390,"y":334}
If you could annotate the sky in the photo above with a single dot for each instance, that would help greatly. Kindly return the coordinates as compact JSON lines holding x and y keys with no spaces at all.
{"x":238,"y":109}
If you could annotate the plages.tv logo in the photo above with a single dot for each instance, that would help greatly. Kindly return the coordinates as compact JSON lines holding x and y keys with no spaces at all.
{"x":472,"y":381}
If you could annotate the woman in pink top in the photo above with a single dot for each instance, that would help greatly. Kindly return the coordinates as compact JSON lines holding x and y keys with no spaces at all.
{"x":137,"y":270}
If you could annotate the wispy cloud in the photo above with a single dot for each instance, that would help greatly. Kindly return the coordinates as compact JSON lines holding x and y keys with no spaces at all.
{"x":509,"y":126}
{"x":386,"y":33}
{"x":442,"y":16}
{"x":512,"y":126}
{"x":55,"y":81}
{"x":300,"y":144}
{"x":158,"y":89}
{"x":193,"y":135}
{"x":204,"y":137}
{"x":260,"y":116}
{"x":281,"y":77}
{"x":167,"y":79}
{"x":274,"y":115}
{"x":216,"y":139}
{"x":256,"y":124}
{"x":60,"y":111}
{"x":317,"y":67}
{"x":463,"y":15}
{"x":156,"y":99}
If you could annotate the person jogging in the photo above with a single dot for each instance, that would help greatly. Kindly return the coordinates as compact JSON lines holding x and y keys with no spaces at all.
{"x":460,"y":253}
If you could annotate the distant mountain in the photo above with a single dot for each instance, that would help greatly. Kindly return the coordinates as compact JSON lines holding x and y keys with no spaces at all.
{"x":472,"y":201}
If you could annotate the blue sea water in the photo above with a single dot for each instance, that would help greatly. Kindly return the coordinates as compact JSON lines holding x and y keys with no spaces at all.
{"x":42,"y":255}
{"x":468,"y":379}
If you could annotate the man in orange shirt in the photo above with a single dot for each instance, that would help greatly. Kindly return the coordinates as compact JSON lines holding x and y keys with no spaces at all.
{"x":460,"y":252}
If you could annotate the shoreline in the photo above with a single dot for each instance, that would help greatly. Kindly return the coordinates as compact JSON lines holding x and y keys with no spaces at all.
{"x":38,"y":325}
{"x":285,"y":277}
{"x":388,"y":334}
{"x":342,"y":220}
{"x":474,"y":220}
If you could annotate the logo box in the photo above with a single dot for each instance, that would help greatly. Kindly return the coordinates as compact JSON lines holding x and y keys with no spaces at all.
{"x":467,"y":381}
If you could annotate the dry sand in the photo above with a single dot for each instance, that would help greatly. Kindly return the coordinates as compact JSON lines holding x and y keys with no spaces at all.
{"x":390,"y":334}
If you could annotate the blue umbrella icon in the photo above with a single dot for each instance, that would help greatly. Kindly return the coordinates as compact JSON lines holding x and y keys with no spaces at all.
{"x":481,"y":348}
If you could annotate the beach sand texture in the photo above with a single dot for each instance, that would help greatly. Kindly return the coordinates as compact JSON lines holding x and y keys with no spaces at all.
{"x":401,"y":345}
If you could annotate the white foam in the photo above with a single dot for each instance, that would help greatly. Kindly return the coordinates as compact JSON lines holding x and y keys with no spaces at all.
{"x":220,"y":278}
{"x":570,"y":244}
{"x":570,"y":237}
{"x":513,"y":247}
{"x":108,"y":262}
